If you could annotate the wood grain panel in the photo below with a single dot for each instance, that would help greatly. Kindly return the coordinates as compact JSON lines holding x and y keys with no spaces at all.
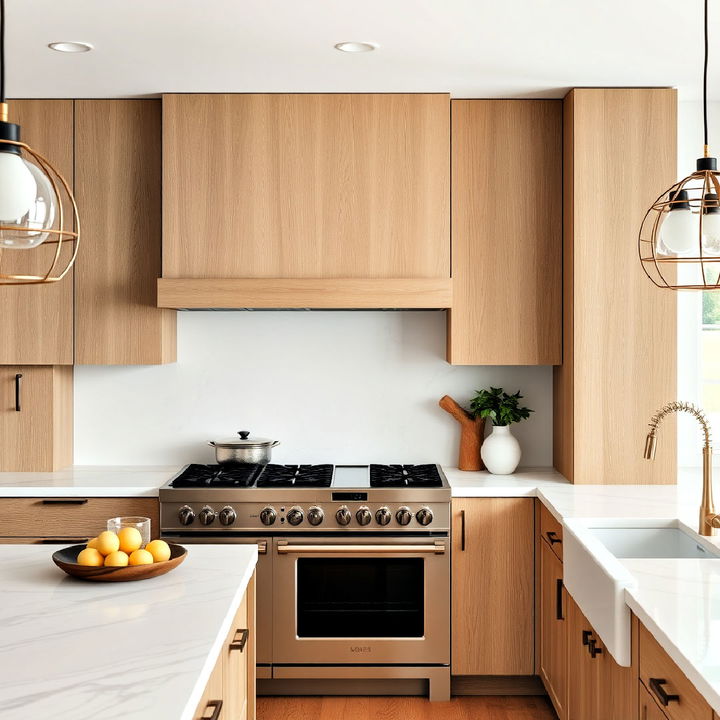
{"x":36,"y":323}
{"x":617,"y":691}
{"x":620,"y":354}
{"x":40,"y":436}
{"x":506,"y":232}
{"x":316,"y":293}
{"x":306,"y":186}
{"x":33,"y":518}
{"x":583,"y":672}
{"x":551,"y":531}
{"x":649,"y":709}
{"x":118,"y":165}
{"x":493,"y":587}
{"x":656,"y":663}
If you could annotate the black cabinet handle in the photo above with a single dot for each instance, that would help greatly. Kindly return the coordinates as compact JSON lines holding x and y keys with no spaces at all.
{"x":593,"y":649}
{"x":656,"y":685}
{"x":62,"y":541}
{"x":552,"y":537}
{"x":558,"y":599}
{"x":64,"y":501}
{"x":239,"y":644}
{"x":462,"y":530}
{"x":217,"y":707}
{"x":586,"y":635}
{"x":18,"y":378}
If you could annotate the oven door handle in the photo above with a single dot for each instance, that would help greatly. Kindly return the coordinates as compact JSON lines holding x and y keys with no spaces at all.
{"x":284,"y":549}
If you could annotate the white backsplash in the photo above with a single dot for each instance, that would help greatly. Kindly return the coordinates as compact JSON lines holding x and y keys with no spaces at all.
{"x":343,"y":387}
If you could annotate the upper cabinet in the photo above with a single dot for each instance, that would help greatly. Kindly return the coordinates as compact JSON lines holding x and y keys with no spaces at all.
{"x":37,"y":320}
{"x":308,"y":200}
{"x":118,"y":176}
{"x":619,"y":363}
{"x":506,"y":232}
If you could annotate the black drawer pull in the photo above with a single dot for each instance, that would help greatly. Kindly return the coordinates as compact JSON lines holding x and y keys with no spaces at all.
{"x":462,"y":530}
{"x":552,"y":537}
{"x":593,"y":649}
{"x":240,"y":644}
{"x":18,"y":378}
{"x":559,"y":599}
{"x":64,"y":501}
{"x":656,"y":685}
{"x":586,"y":635}
{"x":217,"y":707}
{"x":62,"y":541}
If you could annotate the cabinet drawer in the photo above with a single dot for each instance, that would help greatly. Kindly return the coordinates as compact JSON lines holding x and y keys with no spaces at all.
{"x":551,"y":531}
{"x":667,"y":684}
{"x":649,"y":709}
{"x":71,"y":518}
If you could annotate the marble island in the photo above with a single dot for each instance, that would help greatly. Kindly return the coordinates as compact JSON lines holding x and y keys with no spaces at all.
{"x":74,"y":650}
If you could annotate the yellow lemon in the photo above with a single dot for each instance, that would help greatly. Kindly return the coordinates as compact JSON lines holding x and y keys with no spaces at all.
{"x":130,"y":539}
{"x":107,"y":542}
{"x":159,"y":549}
{"x":92,"y":543}
{"x":141,"y":557}
{"x":116,"y":559}
{"x":91,"y":557}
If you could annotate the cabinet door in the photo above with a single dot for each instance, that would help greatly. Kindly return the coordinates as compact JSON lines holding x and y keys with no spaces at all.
{"x":553,"y":629}
{"x":212,"y":704}
{"x":583,"y":672}
{"x":118,"y":181}
{"x":617,"y":686}
{"x":648,"y":707}
{"x":506,"y":232}
{"x":493,"y":588}
{"x":306,"y":186}
{"x":36,"y":323}
{"x":236,"y":665}
{"x":36,"y":418}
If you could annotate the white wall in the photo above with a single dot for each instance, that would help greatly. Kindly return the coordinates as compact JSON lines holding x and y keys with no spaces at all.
{"x":343,"y":387}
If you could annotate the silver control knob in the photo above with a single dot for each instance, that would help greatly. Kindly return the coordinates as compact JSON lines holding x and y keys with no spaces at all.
{"x":403,"y":516}
{"x":227,"y":516}
{"x":186,"y":515}
{"x":315,"y":515}
{"x":268,"y":516}
{"x":383,"y":516}
{"x":424,"y":516}
{"x":295,"y":515}
{"x":363,"y":516}
{"x":207,"y":515}
{"x":343,"y":516}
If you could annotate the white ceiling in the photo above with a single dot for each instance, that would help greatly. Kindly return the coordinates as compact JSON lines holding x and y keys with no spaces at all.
{"x":471,"y":48}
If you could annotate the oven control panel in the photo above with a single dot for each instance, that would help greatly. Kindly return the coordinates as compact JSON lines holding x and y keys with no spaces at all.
{"x":219,"y":516}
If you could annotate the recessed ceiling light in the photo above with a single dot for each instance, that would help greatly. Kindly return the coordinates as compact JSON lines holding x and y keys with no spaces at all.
{"x":67,"y":46}
{"x":356,"y":47}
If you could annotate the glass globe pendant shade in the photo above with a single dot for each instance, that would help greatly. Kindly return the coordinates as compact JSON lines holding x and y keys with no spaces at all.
{"x":27,"y":203}
{"x":678,"y":231}
{"x":711,"y":225}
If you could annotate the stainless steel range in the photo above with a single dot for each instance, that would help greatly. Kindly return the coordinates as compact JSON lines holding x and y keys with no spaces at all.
{"x":354,"y":574}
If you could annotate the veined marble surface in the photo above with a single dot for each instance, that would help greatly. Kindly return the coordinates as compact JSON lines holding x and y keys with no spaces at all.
{"x":76,"y":650}
{"x":88,"y":481}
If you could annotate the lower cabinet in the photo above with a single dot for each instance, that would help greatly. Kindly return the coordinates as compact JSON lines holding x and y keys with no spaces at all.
{"x":230,"y":691}
{"x":493,"y":586}
{"x":553,"y":633}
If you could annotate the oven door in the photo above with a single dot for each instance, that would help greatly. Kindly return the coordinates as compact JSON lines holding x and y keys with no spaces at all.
{"x":361,"y":600}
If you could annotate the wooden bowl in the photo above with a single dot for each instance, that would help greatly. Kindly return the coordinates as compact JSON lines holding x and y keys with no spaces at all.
{"x":66,"y":559}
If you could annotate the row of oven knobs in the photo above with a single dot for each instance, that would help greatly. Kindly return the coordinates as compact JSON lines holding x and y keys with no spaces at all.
{"x":207,"y":515}
{"x":343,"y":516}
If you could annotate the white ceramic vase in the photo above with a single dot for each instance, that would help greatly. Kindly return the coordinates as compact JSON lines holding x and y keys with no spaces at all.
{"x":501,"y":451}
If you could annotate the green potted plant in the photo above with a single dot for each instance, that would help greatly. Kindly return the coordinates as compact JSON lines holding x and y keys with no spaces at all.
{"x":501,"y":451}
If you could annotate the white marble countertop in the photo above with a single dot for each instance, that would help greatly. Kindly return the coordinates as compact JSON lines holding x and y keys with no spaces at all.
{"x":88,"y":481}
{"x":75,"y":650}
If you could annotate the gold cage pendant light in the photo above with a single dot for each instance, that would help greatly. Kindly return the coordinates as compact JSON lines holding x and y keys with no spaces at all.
{"x":679,"y":240}
{"x":37,"y":207}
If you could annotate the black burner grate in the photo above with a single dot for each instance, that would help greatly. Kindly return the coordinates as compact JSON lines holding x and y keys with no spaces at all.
{"x":296,"y":476}
{"x":226,"y":476}
{"x":405,"y":476}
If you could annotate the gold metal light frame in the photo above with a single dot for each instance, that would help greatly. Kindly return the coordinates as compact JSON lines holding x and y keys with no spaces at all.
{"x":59,"y":235}
{"x":665,"y":269}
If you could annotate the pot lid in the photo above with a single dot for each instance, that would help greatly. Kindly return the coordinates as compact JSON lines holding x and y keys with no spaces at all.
{"x":245,"y":440}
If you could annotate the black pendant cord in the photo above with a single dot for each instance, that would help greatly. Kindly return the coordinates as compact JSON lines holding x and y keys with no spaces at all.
{"x":705,"y":72}
{"x":2,"y":51}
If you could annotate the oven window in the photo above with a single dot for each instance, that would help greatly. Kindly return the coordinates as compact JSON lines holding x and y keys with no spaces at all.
{"x":360,"y":597}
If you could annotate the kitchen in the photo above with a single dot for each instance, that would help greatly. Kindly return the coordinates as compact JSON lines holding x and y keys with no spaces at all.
{"x":365,"y":335}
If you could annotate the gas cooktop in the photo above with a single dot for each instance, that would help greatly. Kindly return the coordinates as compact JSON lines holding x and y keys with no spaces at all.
{"x":308,"y":476}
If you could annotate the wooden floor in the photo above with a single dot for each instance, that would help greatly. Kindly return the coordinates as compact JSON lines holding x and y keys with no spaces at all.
{"x":488,"y":707}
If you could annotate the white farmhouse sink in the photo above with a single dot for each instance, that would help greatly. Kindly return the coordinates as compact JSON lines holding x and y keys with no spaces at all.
{"x":596,"y":578}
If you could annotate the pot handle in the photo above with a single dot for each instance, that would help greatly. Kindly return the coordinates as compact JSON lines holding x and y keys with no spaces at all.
{"x":275,"y":442}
